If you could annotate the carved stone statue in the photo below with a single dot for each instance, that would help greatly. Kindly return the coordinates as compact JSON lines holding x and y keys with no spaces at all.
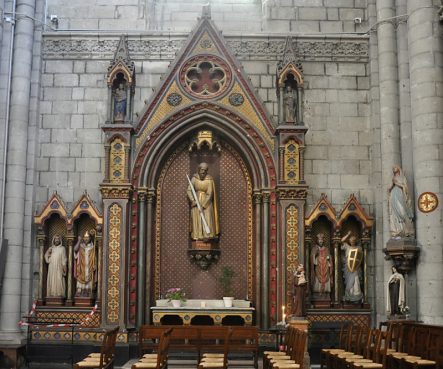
{"x":299,"y":291}
{"x":204,"y":187}
{"x":85,"y":265}
{"x":399,"y":205}
{"x":120,"y":103}
{"x":56,"y":258}
{"x":395,"y":293}
{"x":290,"y":104}
{"x":321,"y":276}
{"x":351,"y":268}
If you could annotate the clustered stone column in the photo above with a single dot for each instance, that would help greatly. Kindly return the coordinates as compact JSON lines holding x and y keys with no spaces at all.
{"x":16,"y":169}
{"x":426,"y":75}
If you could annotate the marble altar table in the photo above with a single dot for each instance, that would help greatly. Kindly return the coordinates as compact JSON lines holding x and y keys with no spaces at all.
{"x":214,"y":309}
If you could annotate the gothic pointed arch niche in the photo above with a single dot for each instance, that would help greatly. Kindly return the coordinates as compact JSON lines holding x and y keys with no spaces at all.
{"x":204,"y":89}
{"x":290,"y":87}
{"x":242,"y":174}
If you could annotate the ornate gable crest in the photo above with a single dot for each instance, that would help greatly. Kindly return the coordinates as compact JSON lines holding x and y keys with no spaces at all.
{"x":323,"y":207}
{"x":121,"y":63}
{"x":353,"y":207}
{"x":289,"y":63}
{"x":204,"y":76}
{"x":85,"y":205}
{"x":55,"y":205}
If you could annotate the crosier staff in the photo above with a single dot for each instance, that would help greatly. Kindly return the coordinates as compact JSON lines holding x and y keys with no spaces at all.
{"x":205,"y":225}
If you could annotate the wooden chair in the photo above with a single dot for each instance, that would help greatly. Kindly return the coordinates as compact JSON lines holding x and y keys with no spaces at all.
{"x":376,"y":354}
{"x":289,"y":338}
{"x":212,"y":361}
{"x":433,"y":353}
{"x":358,"y":349}
{"x":297,"y":354}
{"x":345,"y":332}
{"x":104,"y":359}
{"x":245,"y":340}
{"x":159,"y":360}
{"x":149,"y":338}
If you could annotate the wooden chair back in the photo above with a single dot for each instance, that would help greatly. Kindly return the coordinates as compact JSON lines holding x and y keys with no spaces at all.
{"x":163,"y":347}
{"x":107,"y":352}
{"x":299,"y":347}
{"x":149,"y":338}
{"x":226,"y":344}
{"x":212,"y":339}
{"x":245,"y":339}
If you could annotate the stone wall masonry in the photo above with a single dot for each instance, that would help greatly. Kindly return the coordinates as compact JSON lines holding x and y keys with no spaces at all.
{"x":335,"y":102}
{"x":337,"y":153}
{"x":332,"y":16}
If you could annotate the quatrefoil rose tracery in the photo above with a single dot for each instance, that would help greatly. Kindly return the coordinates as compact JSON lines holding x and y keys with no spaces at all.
{"x":205,"y":77}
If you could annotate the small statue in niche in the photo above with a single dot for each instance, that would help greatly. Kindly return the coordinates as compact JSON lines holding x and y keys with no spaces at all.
{"x":321,"y":277}
{"x":399,"y":206}
{"x":299,"y":291}
{"x":85,"y":264}
{"x":56,"y":259}
{"x":120,"y":98}
{"x":351,"y":268}
{"x":290,"y":104}
{"x":395,"y":293}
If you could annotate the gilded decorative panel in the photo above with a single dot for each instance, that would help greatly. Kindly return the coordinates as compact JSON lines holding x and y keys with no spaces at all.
{"x":163,"y":109}
{"x":292,"y":243}
{"x":292,"y":162}
{"x":113,"y":290}
{"x":246,"y":109}
{"x":117,"y":161}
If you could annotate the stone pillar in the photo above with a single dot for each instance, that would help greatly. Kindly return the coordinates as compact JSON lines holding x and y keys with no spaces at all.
{"x":257,"y":200}
{"x":388,"y":74}
{"x":426,"y":76}
{"x":281,"y":115}
{"x":16,"y":170}
{"x":150,"y":216}
{"x":377,"y":259}
{"x":265,"y":263}
{"x":406,"y":131}
{"x":141,"y":267}
{"x":389,"y":121}
{"x":404,"y":96}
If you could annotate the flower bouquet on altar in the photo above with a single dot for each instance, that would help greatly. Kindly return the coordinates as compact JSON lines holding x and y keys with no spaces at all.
{"x":176,"y":296}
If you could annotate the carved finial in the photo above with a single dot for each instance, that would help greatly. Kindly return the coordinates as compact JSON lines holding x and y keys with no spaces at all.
{"x":289,"y":56}
{"x":122,"y":62}
{"x":206,"y":11}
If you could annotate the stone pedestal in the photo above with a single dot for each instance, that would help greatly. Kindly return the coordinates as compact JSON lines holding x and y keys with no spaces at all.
{"x":204,"y":253}
{"x":403,"y":252}
{"x":55,"y":301}
{"x":83,"y":301}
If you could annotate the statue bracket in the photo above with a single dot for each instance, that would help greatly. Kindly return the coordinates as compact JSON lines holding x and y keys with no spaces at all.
{"x":204,"y":253}
{"x":403,"y":252}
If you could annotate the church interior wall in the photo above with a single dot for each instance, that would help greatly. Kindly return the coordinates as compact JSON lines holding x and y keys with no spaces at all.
{"x":69,"y":100}
{"x":74,"y":102}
